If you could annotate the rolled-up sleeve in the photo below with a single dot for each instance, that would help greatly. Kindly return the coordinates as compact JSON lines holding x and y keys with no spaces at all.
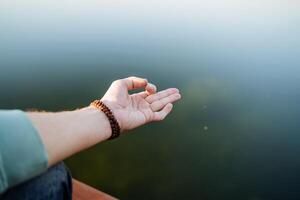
{"x":22,"y":153}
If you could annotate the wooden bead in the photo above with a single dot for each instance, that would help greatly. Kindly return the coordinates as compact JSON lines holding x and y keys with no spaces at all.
{"x":115,"y":127}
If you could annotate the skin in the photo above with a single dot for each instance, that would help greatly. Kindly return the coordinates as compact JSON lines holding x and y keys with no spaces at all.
{"x":66,"y":133}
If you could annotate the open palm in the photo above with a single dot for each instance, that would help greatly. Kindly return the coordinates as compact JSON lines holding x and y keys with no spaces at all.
{"x":133,"y":110}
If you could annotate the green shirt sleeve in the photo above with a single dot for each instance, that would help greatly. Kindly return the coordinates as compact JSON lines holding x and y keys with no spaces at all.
{"x":22,"y":153}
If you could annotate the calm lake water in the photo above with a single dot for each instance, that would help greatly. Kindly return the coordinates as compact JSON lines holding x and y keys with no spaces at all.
{"x":234,"y":134}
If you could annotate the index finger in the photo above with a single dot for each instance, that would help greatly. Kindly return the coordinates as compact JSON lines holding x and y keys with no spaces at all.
{"x":151,"y":89}
{"x":133,"y":82}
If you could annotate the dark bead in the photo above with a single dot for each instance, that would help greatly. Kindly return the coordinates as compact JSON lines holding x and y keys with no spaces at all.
{"x":115,"y":127}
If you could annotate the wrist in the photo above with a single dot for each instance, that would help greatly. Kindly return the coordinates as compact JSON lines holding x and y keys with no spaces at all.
{"x":115,"y":109}
{"x":98,"y":122}
{"x":115,"y":127}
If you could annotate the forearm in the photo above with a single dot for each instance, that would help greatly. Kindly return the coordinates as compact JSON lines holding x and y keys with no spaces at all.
{"x":66,"y":133}
{"x":24,"y":155}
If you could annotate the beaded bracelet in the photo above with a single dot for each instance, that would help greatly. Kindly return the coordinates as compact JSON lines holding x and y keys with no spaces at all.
{"x":115,"y":127}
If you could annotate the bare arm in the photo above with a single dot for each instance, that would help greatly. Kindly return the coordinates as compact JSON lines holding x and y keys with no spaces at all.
{"x":66,"y":133}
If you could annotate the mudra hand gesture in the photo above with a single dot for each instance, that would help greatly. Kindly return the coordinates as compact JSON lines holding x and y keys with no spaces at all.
{"x":133,"y":110}
{"x":68,"y":132}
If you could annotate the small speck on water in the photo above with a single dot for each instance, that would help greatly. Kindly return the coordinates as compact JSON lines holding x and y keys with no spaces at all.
{"x":205,"y":106}
{"x":205,"y":128}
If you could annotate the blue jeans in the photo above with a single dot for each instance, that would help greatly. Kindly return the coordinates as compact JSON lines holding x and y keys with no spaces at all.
{"x":54,"y":184}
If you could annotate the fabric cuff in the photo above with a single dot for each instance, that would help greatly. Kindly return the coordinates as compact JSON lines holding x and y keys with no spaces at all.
{"x":22,"y":153}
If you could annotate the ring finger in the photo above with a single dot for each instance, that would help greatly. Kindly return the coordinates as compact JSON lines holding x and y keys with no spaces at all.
{"x":160,"y":104}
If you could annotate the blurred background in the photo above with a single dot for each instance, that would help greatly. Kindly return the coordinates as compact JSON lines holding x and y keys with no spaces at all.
{"x":235,"y":133}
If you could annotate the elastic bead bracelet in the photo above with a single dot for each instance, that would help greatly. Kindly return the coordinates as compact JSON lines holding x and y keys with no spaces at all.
{"x":115,"y":127}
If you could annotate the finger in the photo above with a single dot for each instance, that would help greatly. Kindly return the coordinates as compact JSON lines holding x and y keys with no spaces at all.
{"x":161,"y":94}
{"x":143,"y":94}
{"x":158,"y":116}
{"x":159,"y":104}
{"x":133,"y":82}
{"x":151,"y":88}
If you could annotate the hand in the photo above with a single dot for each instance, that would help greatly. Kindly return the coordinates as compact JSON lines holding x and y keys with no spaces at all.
{"x":137,"y":109}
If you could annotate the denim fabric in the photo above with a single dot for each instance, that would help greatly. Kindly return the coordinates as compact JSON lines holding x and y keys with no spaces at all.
{"x":54,"y":184}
